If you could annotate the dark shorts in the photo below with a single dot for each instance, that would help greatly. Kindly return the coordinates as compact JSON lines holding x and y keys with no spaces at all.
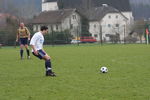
{"x":23,"y":41}
{"x":40,"y":55}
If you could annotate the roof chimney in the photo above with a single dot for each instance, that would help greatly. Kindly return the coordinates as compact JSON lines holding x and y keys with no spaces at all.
{"x":105,"y":5}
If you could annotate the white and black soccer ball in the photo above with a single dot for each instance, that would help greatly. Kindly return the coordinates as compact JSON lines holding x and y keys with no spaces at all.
{"x":104,"y":69}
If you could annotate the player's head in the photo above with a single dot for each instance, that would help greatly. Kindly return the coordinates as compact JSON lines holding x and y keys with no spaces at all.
{"x":44,"y":29}
{"x":21,"y":24}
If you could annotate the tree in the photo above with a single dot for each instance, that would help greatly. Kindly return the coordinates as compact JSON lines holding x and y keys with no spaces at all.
{"x":8,"y":33}
{"x":63,"y":37}
{"x":139,"y":28}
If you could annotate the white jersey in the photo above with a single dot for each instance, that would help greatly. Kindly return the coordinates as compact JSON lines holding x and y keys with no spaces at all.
{"x":37,"y":41}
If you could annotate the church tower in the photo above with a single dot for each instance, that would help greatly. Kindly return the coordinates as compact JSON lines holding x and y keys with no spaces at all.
{"x":49,"y":5}
{"x":43,"y":1}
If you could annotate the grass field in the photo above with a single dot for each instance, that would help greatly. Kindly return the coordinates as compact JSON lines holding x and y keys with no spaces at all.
{"x":78,"y":76}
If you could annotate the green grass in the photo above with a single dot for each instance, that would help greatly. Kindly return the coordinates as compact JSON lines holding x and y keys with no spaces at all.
{"x":78,"y":77}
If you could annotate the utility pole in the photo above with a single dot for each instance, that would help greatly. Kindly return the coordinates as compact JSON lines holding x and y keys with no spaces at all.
{"x":78,"y":35}
{"x":124,"y":33}
{"x":100,"y":34}
{"x":61,"y":4}
{"x":89,"y":4}
{"x":52,"y":35}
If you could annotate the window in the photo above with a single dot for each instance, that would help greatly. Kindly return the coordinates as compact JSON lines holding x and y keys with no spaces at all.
{"x":35,"y":27}
{"x":94,"y":26}
{"x":117,"y":25}
{"x":95,"y":35}
{"x":39,"y":27}
{"x":116,"y":16}
{"x":74,"y":16}
{"x":109,"y":16}
{"x":107,"y":35}
{"x":71,"y":26}
{"x":56,"y":27}
{"x":109,"y":25}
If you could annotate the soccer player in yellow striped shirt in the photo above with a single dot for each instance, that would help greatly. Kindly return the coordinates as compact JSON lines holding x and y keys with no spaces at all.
{"x":23,"y":36}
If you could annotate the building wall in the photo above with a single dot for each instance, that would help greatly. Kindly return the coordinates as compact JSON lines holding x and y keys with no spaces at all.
{"x":37,"y":27}
{"x":71,"y":23}
{"x":94,"y":29}
{"x":55,"y":27}
{"x":111,"y":23}
{"x":49,"y":6}
{"x":130,"y":21}
{"x":130,"y":17}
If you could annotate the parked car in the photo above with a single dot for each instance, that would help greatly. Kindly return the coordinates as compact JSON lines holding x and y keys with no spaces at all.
{"x":75,"y":41}
{"x":87,"y":39}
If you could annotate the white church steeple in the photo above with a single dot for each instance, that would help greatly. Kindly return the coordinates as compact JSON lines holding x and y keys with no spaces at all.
{"x":50,"y":5}
{"x":43,"y":1}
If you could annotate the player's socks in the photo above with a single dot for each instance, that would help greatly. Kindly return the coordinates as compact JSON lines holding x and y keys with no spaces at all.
{"x":21,"y":53}
{"x":28,"y":53}
{"x":48,"y":65}
{"x":49,"y":69}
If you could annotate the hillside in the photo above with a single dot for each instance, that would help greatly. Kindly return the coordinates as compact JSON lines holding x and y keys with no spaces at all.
{"x":140,"y":8}
{"x":140,"y":1}
{"x":22,"y":8}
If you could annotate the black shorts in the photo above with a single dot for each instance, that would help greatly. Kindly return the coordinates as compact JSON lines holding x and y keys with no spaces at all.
{"x":40,"y":55}
{"x":23,"y":41}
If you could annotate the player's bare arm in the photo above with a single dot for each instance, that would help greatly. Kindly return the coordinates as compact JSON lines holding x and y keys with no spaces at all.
{"x":17,"y":36}
{"x":34,"y":50}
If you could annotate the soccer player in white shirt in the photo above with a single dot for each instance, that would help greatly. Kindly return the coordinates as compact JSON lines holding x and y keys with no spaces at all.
{"x":37,"y":49}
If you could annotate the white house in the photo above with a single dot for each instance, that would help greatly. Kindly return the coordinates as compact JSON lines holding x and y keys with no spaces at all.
{"x":122,"y":5}
{"x":105,"y":21}
{"x":130,"y":17}
{"x":59,"y":20}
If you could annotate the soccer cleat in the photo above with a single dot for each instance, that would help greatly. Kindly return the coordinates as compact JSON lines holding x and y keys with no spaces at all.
{"x":28,"y":57}
{"x":50,"y":74}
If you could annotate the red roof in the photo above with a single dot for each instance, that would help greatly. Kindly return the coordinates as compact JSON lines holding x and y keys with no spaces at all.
{"x":52,"y":17}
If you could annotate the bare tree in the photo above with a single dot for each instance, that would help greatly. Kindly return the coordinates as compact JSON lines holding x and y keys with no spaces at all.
{"x":26,"y":9}
{"x":139,"y":28}
{"x":29,"y":9}
{"x":1,"y":5}
{"x":8,"y":33}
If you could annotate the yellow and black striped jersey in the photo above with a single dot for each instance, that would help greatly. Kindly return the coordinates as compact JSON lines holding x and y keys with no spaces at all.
{"x":23,"y":32}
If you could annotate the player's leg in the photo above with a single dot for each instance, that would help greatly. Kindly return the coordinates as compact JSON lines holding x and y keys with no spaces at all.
{"x":48,"y":64}
{"x":21,"y":50}
{"x":21,"y":47}
{"x":27,"y":50}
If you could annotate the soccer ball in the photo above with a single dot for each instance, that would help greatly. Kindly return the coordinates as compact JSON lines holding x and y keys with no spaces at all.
{"x":104,"y":69}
